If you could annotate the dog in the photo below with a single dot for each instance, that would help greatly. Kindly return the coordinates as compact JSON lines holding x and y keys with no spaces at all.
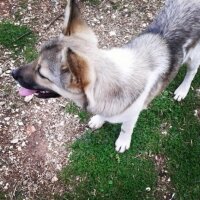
{"x":116,"y":84}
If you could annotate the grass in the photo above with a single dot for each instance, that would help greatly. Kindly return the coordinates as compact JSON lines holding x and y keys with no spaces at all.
{"x":19,"y":39}
{"x":182,"y":146}
{"x":71,"y":108}
{"x":103,"y":173}
{"x":96,"y":171}
{"x":2,"y":196}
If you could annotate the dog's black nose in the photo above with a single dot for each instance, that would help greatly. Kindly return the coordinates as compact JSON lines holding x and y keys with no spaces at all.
{"x":14,"y":74}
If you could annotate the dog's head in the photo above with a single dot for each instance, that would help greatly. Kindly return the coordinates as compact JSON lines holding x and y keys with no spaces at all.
{"x":62,"y":68}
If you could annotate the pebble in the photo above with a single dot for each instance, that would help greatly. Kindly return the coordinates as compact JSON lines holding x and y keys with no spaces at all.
{"x":28,"y":98}
{"x":8,"y":71}
{"x":19,"y":148}
{"x":14,"y":141}
{"x":25,"y":182}
{"x":54,"y":179}
{"x":2,"y":103}
{"x":198,"y":92}
{"x":6,"y":186}
{"x":114,"y":1}
{"x":20,"y":123}
{"x":112,"y":33}
{"x":148,"y":189}
{"x":7,"y":118}
{"x":114,"y":16}
{"x":23,"y":144}
{"x":30,"y":130}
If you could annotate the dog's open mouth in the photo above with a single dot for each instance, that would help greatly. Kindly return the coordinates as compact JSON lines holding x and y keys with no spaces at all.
{"x":44,"y":94}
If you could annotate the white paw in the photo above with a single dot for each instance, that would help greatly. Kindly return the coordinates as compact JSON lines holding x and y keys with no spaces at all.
{"x":181,"y":92}
{"x":96,"y":122}
{"x":122,"y":143}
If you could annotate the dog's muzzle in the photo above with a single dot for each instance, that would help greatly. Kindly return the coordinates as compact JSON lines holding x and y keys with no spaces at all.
{"x":28,"y":83}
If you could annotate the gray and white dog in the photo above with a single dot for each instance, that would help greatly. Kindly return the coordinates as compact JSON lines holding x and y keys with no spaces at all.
{"x":117,"y":84}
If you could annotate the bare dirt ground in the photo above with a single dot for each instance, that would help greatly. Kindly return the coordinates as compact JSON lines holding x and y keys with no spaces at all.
{"x":35,"y":136}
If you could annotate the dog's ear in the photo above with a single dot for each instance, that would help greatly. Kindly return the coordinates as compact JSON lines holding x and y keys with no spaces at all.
{"x":73,"y":21}
{"x":79,"y":69}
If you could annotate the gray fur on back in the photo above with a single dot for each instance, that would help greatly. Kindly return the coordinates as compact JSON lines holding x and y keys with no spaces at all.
{"x":178,"y":22}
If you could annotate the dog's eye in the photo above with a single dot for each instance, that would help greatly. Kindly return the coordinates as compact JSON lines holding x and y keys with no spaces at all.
{"x":38,"y":70}
{"x":64,"y":69}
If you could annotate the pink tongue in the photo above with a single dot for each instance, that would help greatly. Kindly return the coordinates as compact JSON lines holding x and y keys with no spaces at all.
{"x":26,"y":92}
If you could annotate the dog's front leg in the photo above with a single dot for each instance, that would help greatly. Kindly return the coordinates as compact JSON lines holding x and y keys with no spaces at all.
{"x":96,"y":122}
{"x":124,"y":140}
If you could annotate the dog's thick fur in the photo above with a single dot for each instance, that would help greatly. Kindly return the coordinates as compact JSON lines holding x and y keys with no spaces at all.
{"x":117,"y":84}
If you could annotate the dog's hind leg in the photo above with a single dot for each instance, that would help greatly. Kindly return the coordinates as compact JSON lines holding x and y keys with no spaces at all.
{"x":182,"y":91}
{"x":193,"y":63}
{"x":124,"y":140}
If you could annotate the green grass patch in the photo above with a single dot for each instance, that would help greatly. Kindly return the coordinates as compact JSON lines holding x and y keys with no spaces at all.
{"x":19,"y":39}
{"x":2,"y":196}
{"x":71,"y":108}
{"x":96,"y":171}
{"x":116,"y":6}
{"x":182,"y":146}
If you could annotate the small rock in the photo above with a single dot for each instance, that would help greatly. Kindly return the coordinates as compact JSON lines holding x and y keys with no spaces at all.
{"x":112,"y":33}
{"x":28,"y":98}
{"x":20,"y":123}
{"x":113,"y":16}
{"x":113,"y":1}
{"x":144,"y":25}
{"x":25,"y":182}
{"x":2,"y":102}
{"x":6,"y":186}
{"x":54,"y":179}
{"x":198,"y":92}
{"x":164,"y":133}
{"x":23,"y":144}
{"x":7,"y":118}
{"x":30,"y":130}
{"x":148,"y":189}
{"x":14,"y":141}
{"x":1,"y":71}
{"x":8,"y":71}
{"x":62,"y":123}
{"x":19,"y":148}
